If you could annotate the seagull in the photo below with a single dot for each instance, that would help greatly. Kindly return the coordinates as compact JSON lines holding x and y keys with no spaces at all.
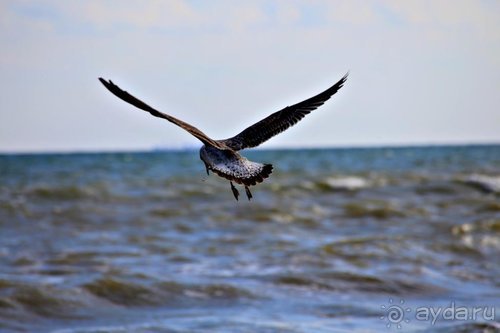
{"x":222,"y":156}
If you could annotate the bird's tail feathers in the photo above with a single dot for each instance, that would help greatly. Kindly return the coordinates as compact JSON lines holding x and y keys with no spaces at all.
{"x":262,"y":173}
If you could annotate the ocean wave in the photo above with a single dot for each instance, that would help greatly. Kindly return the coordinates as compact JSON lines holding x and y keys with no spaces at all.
{"x":124,"y":292}
{"x":60,"y":192}
{"x":438,"y":188}
{"x":378,"y":210}
{"x":356,"y":282}
{"x":486,"y":225}
{"x":479,"y":238}
{"x":127,"y":293}
{"x":470,"y":328}
{"x":489,"y":207}
{"x":484,"y":183}
{"x":217,"y":291}
{"x":42,"y":300}
{"x":345,"y":183}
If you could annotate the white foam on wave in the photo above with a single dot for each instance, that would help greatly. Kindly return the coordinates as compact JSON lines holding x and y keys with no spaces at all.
{"x":348,"y":183}
{"x":483,"y":182}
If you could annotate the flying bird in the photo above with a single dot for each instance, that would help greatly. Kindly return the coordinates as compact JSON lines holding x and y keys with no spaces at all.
{"x":222,"y":156}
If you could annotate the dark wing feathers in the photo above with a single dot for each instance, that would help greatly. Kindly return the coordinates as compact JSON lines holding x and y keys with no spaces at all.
{"x":281,"y":120}
{"x":143,"y":106}
{"x":253,"y":135}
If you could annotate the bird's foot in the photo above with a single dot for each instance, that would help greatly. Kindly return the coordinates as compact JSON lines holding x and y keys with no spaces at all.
{"x":235,"y":191}
{"x":249,"y":194}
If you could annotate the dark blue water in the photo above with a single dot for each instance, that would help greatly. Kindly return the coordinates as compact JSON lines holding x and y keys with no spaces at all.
{"x":336,"y":240}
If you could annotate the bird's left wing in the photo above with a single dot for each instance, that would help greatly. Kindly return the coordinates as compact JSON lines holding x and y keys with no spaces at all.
{"x":280,"y":121}
{"x":122,"y":94}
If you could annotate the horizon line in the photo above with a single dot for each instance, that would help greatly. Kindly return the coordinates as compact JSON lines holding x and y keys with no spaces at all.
{"x":271,"y":148}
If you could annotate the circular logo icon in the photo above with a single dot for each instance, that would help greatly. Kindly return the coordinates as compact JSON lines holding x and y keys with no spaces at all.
{"x":394,"y":314}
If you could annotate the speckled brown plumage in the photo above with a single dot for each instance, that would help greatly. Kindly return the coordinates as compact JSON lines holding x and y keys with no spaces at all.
{"x":221,"y":156}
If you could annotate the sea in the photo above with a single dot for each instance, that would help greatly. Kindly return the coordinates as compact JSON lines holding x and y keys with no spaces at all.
{"x":391,"y":239}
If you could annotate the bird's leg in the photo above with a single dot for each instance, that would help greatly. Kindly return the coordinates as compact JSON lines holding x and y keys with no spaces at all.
{"x":206,"y":168}
{"x":235,"y":191}
{"x":249,"y":194}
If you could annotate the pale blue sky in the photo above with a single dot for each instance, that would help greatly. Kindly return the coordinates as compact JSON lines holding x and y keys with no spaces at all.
{"x":420,"y":71}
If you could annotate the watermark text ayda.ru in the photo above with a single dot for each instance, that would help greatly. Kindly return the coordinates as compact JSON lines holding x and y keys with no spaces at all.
{"x":455,"y":312}
{"x":397,"y":314}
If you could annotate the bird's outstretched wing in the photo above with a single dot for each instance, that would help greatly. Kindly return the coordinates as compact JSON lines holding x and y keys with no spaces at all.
{"x":280,"y":121}
{"x":122,"y":94}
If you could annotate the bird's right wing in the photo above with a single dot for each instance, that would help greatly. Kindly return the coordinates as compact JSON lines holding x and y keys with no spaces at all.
{"x":122,"y":94}
{"x":280,"y":121}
